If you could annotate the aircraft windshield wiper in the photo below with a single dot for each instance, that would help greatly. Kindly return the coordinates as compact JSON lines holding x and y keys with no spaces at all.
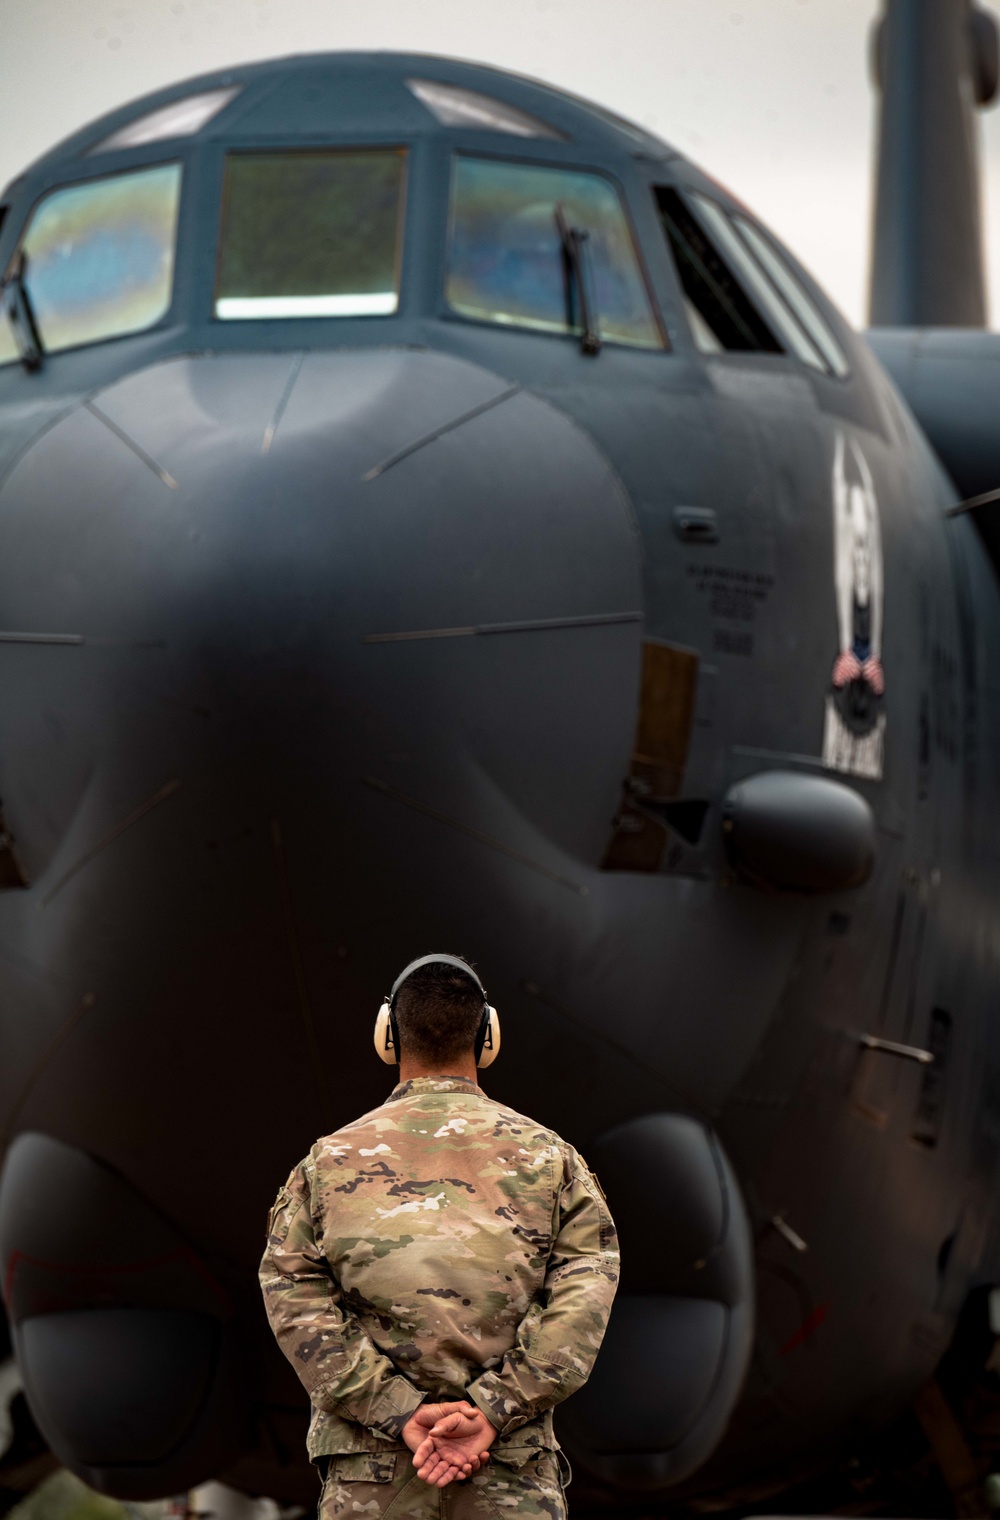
{"x":576,"y":254}
{"x":20,"y":313}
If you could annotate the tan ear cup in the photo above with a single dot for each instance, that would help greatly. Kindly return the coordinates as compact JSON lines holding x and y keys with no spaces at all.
{"x":491,"y":1044}
{"x":383,"y":1037}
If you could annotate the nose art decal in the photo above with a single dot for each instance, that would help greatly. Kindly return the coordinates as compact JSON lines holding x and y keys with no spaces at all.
{"x":854,"y":730}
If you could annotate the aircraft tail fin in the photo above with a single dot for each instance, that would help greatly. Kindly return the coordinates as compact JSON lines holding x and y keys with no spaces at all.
{"x":935,"y":62}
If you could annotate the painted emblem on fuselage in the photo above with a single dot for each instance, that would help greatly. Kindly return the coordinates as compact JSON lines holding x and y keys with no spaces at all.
{"x":854,"y":729}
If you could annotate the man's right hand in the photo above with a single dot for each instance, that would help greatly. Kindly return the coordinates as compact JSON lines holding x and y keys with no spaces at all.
{"x":457,"y":1445}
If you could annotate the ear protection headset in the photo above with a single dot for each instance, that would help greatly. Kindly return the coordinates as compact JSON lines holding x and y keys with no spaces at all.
{"x":487,"y":1044}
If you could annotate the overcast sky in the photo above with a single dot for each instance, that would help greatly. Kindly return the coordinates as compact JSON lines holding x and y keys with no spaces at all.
{"x":770,"y":96}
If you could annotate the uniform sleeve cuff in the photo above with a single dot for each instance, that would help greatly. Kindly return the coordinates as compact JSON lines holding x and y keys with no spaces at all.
{"x":489,"y":1394}
{"x":402,"y":1400}
{"x":394,"y":1405}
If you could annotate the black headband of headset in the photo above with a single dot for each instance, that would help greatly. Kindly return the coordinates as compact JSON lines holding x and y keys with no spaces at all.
{"x":441,"y":960}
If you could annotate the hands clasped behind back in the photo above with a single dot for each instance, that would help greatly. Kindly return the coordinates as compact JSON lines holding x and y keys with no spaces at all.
{"x":448,"y":1441}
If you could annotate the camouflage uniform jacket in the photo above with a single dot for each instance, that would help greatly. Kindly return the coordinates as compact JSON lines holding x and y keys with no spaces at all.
{"x":440,"y":1246}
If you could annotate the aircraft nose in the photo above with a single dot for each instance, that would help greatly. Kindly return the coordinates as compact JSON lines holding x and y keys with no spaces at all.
{"x":395,"y":559}
{"x":299,"y":649}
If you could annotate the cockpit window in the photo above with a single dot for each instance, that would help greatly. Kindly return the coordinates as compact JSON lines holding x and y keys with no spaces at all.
{"x":721,"y":315}
{"x":508,"y":261}
{"x":454,"y":107}
{"x":311,"y":234}
{"x":97,"y":259}
{"x":794,"y":296}
{"x":736,"y":251}
{"x":8,"y":348}
{"x":182,"y":118}
{"x":739,"y":293}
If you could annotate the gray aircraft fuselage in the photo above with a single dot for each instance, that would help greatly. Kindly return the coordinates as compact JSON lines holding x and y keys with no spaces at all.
{"x":322,"y":645}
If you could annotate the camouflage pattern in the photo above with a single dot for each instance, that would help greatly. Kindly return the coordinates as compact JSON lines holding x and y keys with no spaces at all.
{"x":441,"y":1246}
{"x":531,"y":1490}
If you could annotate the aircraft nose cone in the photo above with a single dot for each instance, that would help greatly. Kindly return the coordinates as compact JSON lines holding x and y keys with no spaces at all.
{"x":394,"y":562}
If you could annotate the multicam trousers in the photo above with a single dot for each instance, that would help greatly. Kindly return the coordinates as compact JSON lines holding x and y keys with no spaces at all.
{"x":384,"y":1486}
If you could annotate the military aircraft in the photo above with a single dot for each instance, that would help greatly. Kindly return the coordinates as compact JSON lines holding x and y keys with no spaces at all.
{"x":434,"y":513}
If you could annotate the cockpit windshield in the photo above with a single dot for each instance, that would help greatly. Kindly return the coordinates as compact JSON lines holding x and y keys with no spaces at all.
{"x":97,"y":259}
{"x":507,"y":259}
{"x":311,"y":234}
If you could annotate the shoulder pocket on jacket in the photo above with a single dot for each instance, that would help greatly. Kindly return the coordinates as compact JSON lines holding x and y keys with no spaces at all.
{"x":282,"y":1201}
{"x":609,"y":1234}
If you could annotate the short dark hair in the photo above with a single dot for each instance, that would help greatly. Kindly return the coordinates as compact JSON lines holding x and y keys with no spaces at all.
{"x":438,"y":1012}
